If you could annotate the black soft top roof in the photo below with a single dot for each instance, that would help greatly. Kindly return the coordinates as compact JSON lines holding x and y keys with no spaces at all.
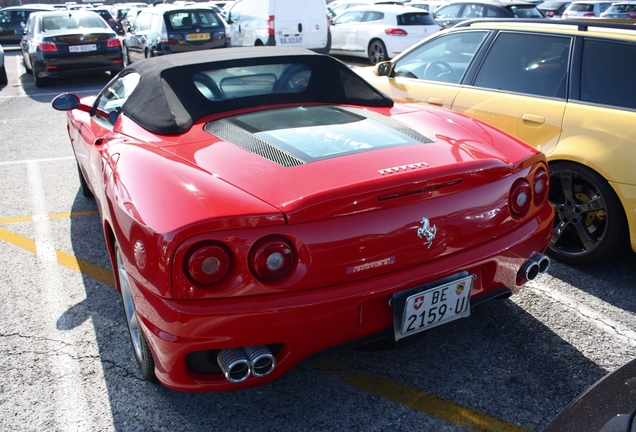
{"x":166,"y":100}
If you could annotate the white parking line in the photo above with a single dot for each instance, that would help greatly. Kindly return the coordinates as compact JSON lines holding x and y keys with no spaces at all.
{"x":73,"y":411}
{"x":593,"y":316}
{"x":31,"y":161}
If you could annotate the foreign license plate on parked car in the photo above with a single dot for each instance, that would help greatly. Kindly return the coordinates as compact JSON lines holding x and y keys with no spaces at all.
{"x":197,"y":36}
{"x":434,"y":306}
{"x":292,"y":39}
{"x":82,"y":48}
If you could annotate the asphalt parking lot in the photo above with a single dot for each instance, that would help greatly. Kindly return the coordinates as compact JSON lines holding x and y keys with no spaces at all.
{"x":66,"y":357}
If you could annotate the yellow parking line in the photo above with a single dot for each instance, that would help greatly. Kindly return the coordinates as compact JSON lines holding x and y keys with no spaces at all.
{"x":16,"y":219}
{"x":51,"y":216}
{"x":73,"y":214}
{"x":18,"y":240}
{"x":96,"y":272}
{"x":418,"y":400}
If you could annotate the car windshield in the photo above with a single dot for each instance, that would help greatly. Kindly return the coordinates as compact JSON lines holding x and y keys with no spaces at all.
{"x":408,"y":19}
{"x":581,"y":7}
{"x":529,"y":11}
{"x":72,"y":22}
{"x":622,"y":8}
{"x":188,"y":19}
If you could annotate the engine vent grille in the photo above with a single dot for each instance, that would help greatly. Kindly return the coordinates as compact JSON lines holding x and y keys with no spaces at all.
{"x":241,"y":138}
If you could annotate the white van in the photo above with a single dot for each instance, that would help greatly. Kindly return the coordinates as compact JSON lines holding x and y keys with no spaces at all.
{"x":298,"y":23}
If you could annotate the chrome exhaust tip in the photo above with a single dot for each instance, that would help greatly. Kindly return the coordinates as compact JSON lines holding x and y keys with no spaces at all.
{"x":234,"y":364}
{"x":542,"y":260}
{"x":261,"y":360}
{"x":529,"y":270}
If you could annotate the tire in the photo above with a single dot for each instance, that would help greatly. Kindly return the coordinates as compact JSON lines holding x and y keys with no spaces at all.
{"x":590,"y":224}
{"x":377,"y":52}
{"x":3,"y":75}
{"x":28,"y":69}
{"x":140,"y":345}
{"x":83,"y":185}
{"x":148,"y":53}
{"x":125,"y":55}
{"x":39,"y":82}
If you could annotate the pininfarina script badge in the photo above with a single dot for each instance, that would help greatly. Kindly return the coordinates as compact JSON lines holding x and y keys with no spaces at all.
{"x":427,"y":232}
{"x":402,"y":168}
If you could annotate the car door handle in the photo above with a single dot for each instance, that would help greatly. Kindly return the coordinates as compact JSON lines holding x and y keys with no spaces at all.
{"x":436,"y":101}
{"x":533,"y":118}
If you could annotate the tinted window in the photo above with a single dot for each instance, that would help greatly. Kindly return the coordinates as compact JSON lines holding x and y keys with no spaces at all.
{"x":607,"y":73}
{"x":72,"y":22}
{"x":444,"y":58}
{"x":525,"y":12}
{"x":526,"y":63}
{"x":415,"y":19}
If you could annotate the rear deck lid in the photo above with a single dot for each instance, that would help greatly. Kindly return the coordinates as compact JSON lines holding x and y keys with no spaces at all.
{"x":320,"y":162}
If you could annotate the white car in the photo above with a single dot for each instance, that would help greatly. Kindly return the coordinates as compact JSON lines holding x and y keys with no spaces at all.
{"x":586,"y":9}
{"x":379,"y":32}
{"x":3,"y":72}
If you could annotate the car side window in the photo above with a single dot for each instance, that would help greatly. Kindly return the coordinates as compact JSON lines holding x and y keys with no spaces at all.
{"x":443,"y":59}
{"x":526,"y":63}
{"x":473,"y":11}
{"x":349,"y":17}
{"x":373,"y":16}
{"x":113,"y":97}
{"x":450,"y":11}
{"x":607,"y":71}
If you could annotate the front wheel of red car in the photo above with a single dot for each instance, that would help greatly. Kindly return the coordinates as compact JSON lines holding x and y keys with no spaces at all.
{"x":590,"y":224}
{"x":140,"y":345}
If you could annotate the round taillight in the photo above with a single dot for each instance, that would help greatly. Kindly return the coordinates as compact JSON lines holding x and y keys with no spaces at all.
{"x":207,"y":264}
{"x":520,"y":197}
{"x":272,"y":258}
{"x":540,"y":183}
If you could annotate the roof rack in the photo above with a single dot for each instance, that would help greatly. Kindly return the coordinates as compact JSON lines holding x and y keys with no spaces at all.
{"x":581,"y":24}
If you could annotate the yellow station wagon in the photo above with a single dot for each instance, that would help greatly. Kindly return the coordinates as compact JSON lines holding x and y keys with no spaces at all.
{"x":565,"y":87}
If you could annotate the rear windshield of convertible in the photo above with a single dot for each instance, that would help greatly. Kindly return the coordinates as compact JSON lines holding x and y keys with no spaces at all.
{"x":244,"y":81}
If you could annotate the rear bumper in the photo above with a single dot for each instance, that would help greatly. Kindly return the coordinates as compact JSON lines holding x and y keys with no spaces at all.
{"x":61,"y":66}
{"x":303,"y":325}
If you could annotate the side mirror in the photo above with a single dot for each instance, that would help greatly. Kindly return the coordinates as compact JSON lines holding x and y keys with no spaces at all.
{"x":68,"y":102}
{"x":383,"y":69}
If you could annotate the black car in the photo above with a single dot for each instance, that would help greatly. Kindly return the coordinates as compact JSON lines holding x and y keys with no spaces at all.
{"x":13,"y":19}
{"x":167,"y":29}
{"x":104,"y":12}
{"x":69,"y":42}
{"x":458,"y":11}
{"x":607,"y":406}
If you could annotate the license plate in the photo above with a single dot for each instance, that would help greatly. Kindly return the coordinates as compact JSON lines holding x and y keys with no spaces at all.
{"x":288,"y":40}
{"x":82,"y":48}
{"x":198,"y":36}
{"x":435,"y":306}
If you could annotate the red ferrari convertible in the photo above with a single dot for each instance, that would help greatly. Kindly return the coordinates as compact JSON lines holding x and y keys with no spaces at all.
{"x":263,"y":207}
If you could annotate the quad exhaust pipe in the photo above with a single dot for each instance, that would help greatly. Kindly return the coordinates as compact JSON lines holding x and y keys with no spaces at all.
{"x":238,"y":364}
{"x":538,"y":263}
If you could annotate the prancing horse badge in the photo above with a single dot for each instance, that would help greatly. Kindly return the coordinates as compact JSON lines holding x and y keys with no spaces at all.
{"x":427,"y":232}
